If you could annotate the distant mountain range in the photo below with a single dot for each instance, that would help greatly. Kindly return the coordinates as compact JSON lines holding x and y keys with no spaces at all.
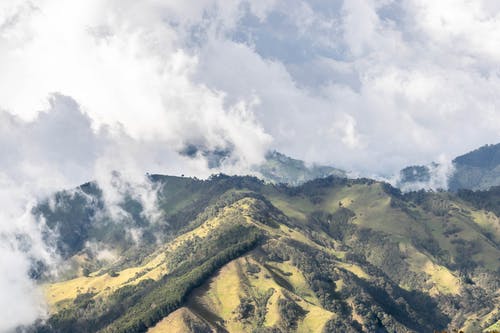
{"x":279,"y":168}
{"x":476,"y":170}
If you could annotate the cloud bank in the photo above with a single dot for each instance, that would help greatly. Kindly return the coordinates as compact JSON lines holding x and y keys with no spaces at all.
{"x":369,"y":86}
{"x":174,"y":87}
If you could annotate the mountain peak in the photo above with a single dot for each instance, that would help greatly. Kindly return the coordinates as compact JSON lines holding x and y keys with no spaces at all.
{"x":487,"y":156}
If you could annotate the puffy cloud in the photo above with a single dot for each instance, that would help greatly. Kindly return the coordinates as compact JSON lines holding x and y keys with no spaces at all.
{"x":21,"y":301}
{"x":414,"y":90}
{"x":229,"y":76}
{"x":122,"y":63}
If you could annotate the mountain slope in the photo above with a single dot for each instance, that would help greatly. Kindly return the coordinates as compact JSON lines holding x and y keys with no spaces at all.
{"x":233,"y":254}
{"x":477,"y":170}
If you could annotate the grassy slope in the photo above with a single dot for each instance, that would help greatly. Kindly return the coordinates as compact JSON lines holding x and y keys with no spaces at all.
{"x":223,"y":294}
{"x":60,"y":294}
{"x":372,"y":208}
{"x":218,"y":302}
{"x":180,"y":321}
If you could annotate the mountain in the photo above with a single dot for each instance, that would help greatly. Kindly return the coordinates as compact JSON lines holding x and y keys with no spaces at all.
{"x":279,"y":168}
{"x":476,"y":170}
{"x":234,"y":254}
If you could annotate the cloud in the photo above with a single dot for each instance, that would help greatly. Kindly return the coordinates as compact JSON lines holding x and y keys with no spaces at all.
{"x":234,"y":75}
{"x":412,"y":92}
{"x":123,"y":67}
{"x":21,"y":247}
{"x":21,"y":301}
{"x":430,"y":177}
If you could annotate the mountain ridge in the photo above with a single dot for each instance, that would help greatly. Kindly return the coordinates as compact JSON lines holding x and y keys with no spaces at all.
{"x":331,"y":254}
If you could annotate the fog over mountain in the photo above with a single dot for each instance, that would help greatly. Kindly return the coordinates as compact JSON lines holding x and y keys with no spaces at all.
{"x":109,"y":91}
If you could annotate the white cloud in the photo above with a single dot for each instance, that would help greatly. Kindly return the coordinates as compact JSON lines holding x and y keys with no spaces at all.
{"x":347,"y":127}
{"x":412,"y":90}
{"x":21,"y":300}
{"x":21,"y":245}
{"x":359,"y":36}
{"x":421,"y":65}
{"x":467,"y":28}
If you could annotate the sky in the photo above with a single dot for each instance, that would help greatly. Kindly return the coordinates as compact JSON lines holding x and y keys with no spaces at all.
{"x":91,"y":86}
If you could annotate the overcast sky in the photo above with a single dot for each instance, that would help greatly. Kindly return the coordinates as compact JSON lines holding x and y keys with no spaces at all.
{"x":89,"y":86}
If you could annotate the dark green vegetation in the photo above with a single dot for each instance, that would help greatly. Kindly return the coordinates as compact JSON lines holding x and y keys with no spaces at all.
{"x":416,"y":174}
{"x":331,"y":255}
{"x":487,"y":200}
{"x":477,"y":170}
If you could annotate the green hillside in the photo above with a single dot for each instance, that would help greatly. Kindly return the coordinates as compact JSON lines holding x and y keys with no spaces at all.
{"x":233,"y":254}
